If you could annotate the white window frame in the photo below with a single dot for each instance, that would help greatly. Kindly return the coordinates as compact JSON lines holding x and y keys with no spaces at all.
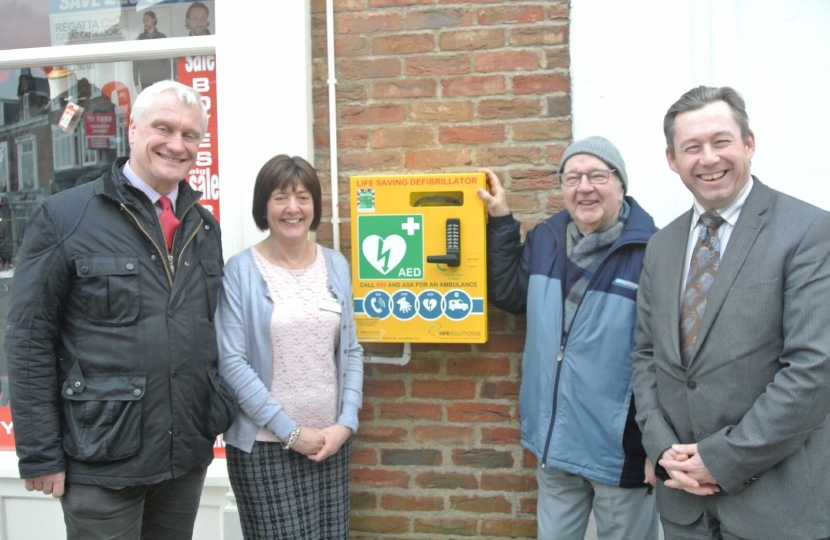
{"x":19,"y":142}
{"x":63,"y":142}
{"x":4,"y":165}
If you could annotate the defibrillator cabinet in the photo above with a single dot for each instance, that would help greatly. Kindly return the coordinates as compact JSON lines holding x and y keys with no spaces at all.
{"x":419,"y":258}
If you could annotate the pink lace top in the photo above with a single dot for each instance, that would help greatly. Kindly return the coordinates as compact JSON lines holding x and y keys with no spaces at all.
{"x":304,"y":336}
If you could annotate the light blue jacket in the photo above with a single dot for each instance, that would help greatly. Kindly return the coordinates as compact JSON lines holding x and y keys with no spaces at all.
{"x":243,"y":317}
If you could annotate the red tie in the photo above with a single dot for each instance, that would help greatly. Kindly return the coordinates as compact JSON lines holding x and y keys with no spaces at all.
{"x":169,"y":221}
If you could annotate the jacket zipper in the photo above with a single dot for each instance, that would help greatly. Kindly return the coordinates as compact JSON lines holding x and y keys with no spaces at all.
{"x":168,"y":268}
{"x":561,"y":354}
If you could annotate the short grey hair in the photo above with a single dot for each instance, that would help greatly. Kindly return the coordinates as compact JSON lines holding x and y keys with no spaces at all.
{"x":699,"y":97}
{"x":183,"y":93}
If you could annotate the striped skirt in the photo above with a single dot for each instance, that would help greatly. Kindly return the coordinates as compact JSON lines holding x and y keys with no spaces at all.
{"x":284,"y":495}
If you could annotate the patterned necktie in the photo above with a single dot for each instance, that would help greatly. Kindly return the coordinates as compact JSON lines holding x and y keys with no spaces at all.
{"x":702,"y":271}
{"x":169,"y":221}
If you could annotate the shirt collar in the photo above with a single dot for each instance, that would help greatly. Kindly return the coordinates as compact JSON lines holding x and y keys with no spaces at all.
{"x":151,"y":193}
{"x":729,"y":213}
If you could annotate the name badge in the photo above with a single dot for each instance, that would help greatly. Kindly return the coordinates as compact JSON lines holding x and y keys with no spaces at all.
{"x":329,"y":304}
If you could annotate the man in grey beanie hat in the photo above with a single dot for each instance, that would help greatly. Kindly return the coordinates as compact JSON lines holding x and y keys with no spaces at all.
{"x":575,"y":277}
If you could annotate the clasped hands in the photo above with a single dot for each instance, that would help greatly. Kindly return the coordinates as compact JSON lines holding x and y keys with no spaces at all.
{"x":687,"y":470}
{"x":319,"y":444}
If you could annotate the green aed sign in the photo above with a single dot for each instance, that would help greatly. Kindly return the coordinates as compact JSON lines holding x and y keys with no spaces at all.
{"x":391,"y":247}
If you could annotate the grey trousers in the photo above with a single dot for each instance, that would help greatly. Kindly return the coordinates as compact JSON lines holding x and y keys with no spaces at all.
{"x":565,"y":502}
{"x":163,"y":511}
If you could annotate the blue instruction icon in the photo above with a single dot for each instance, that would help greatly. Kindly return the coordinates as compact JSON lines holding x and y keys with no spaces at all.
{"x":377,"y":304}
{"x":430,"y":305}
{"x":403,"y":305}
{"x":459,"y":304}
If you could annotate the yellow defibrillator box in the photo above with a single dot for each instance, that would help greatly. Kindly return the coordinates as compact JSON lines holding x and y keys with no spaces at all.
{"x":419,"y":258}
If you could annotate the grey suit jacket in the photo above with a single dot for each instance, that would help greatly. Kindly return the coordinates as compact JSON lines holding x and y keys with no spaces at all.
{"x":756,"y":395}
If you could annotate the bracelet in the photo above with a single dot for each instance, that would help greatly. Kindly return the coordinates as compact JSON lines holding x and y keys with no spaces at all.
{"x":295,"y":434}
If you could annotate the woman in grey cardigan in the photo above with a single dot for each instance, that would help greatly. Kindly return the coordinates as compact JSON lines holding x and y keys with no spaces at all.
{"x":288,"y":347}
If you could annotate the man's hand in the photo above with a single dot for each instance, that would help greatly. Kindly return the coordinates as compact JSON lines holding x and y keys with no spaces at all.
{"x":495,"y":198}
{"x":651,"y":479}
{"x":335,"y":436}
{"x":687,"y":471}
{"x":309,"y":442}
{"x":49,"y":484}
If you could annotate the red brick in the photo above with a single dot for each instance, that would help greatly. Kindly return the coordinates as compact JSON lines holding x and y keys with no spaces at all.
{"x":533,"y":180}
{"x":509,"y":528}
{"x":412,"y":503}
{"x":481,"y":505}
{"x":351,"y":46}
{"x":372,"y":114}
{"x":404,"y":88}
{"x":446,"y":526}
{"x":384,"y":389}
{"x":492,"y":109}
{"x":559,"y":10}
{"x":370,"y":161}
{"x":438,"y":159}
{"x":502,"y":343}
{"x":364,"y":456}
{"x":500,"y":156}
{"x":508,"y":482}
{"x":352,"y":138}
{"x":367,"y":413}
{"x":368,"y":23}
{"x":350,"y":91}
{"x":379,"y":478}
{"x":431,"y":388}
{"x":478,"y":412}
{"x":558,"y":57}
{"x":382,"y":434}
{"x":319,"y":71}
{"x":554,"y":204}
{"x":500,"y":390}
{"x":401,"y":457}
{"x":527,"y":506}
{"x":437,"y":19}
{"x":406,"y":136}
{"x":529,"y":459}
{"x":368,"y":69}
{"x":485,"y":367}
{"x":496,"y":319}
{"x":397,"y":3}
{"x":444,"y":64}
{"x":471,"y":134}
{"x":443,"y":434}
{"x":318,"y":47}
{"x":363,"y":500}
{"x":484,"y":458}
{"x":541,"y":84}
{"x":542,"y":130}
{"x":444,"y":112}
{"x":554,"y":153}
{"x":379,"y":524}
{"x":403,"y":44}
{"x":410,"y":411}
{"x":436,"y":480}
{"x":457,"y":348}
{"x":318,"y":25}
{"x":511,"y":14}
{"x":507,"y":61}
{"x":535,"y":36}
{"x":348,"y":5}
{"x":510,"y":436}
{"x":471,"y":39}
{"x":420,"y":366}
{"x":473,"y":86}
{"x":321,"y":116}
{"x":321,"y":140}
{"x":468,"y":1}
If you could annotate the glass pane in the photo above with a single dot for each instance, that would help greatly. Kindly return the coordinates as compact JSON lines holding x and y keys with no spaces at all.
{"x":63,"y":126}
{"x":42,"y":23}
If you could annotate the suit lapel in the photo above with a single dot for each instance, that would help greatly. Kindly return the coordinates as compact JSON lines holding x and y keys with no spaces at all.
{"x":675,"y":261}
{"x":749,"y":225}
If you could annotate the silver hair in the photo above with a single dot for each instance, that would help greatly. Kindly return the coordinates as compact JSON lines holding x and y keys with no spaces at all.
{"x":185,"y":94}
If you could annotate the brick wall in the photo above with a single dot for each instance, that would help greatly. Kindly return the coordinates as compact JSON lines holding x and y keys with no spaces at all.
{"x":441,"y":86}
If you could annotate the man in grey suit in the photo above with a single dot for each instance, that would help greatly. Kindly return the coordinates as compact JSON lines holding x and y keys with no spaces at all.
{"x":732,"y":353}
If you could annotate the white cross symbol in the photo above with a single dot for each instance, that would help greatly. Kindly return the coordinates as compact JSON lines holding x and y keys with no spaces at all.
{"x":410,"y":226}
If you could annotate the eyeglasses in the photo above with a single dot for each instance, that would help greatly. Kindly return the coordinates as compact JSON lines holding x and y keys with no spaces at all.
{"x":595,"y":177}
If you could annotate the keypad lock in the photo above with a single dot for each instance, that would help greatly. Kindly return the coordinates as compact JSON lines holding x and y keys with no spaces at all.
{"x":453,"y":256}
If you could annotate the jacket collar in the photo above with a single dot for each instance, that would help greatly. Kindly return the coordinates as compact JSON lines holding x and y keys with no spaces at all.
{"x":114,"y":185}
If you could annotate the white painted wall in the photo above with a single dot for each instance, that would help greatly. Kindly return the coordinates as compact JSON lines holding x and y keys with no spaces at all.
{"x":631,"y":61}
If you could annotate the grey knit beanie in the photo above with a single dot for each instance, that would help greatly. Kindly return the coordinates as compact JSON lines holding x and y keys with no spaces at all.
{"x":603,"y":149}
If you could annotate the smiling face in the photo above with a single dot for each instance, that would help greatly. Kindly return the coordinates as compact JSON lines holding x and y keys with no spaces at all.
{"x":290,"y":213}
{"x":710,"y":155}
{"x":592,"y":206}
{"x":164,"y":142}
